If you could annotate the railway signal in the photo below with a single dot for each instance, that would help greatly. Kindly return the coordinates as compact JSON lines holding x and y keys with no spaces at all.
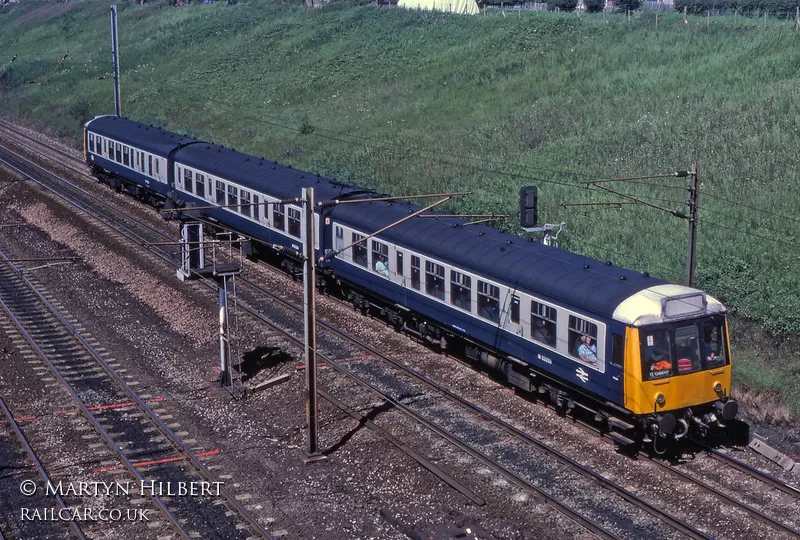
{"x":528,"y":207}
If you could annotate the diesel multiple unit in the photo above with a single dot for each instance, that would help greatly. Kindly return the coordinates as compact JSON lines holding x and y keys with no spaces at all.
{"x":651,"y":360}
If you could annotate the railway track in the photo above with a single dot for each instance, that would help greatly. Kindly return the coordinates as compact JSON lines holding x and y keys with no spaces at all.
{"x":21,"y":467}
{"x":154,"y":457}
{"x":262,"y":303}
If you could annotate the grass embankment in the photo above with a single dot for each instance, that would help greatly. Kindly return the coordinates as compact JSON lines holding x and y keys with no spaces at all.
{"x":408,"y":102}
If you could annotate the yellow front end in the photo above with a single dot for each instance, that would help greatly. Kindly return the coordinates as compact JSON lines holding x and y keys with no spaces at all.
{"x":677,"y":392}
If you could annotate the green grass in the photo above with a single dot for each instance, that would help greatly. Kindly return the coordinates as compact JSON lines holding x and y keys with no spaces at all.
{"x":408,"y":102}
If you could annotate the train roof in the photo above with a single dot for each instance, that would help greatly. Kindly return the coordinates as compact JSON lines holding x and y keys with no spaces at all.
{"x":545,"y":271}
{"x":150,"y":139}
{"x":259,"y":174}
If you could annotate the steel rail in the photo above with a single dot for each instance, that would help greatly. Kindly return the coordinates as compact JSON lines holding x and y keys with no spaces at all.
{"x":538,"y":492}
{"x":676,"y":523}
{"x":73,"y":524}
{"x":86,"y":412}
{"x":182,"y":448}
{"x":758,"y":474}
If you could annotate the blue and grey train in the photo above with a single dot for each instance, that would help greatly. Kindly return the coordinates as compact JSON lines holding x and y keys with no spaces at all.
{"x":649,"y":359}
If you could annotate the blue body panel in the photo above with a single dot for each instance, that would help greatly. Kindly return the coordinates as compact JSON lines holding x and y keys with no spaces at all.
{"x":134,"y":176}
{"x":544,"y":360}
{"x":580,"y":284}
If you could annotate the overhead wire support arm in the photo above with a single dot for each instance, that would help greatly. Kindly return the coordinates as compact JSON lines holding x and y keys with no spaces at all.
{"x":379,"y":231}
{"x":675,"y":213}
{"x":336,"y":202}
{"x":676,"y":174}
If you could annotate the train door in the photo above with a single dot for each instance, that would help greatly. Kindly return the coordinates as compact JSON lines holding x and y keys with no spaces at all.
{"x":615,"y":367}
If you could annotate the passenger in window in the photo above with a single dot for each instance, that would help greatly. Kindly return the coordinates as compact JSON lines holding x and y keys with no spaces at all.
{"x":382,"y":266}
{"x":490,"y":310}
{"x":542,"y":333}
{"x":588,"y":350}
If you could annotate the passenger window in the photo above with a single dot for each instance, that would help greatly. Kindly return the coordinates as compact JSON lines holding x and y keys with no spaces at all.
{"x":687,"y":349}
{"x":245,"y":207}
{"x":415,"y":272}
{"x":157,"y":174}
{"x":200,"y":185}
{"x":150,"y":165}
{"x":617,"y":350}
{"x":582,"y":338}
{"x":256,"y":207}
{"x":460,"y":290}
{"x":380,"y":258}
{"x":125,"y":155}
{"x":233,"y":198}
{"x":359,"y":250}
{"x":515,"y":309}
{"x":434,"y":279}
{"x":656,"y":355}
{"x":488,"y":301}
{"x":544,"y":323}
{"x":339,"y":238}
{"x":118,"y":158}
{"x":187,"y":180}
{"x":713,"y":344}
{"x":278,"y":217}
{"x":294,"y":222}
{"x":400,"y":265}
{"x":220,"y":193}
{"x":91,"y":142}
{"x":179,"y":178}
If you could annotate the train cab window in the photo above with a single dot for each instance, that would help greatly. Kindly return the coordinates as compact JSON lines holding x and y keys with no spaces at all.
{"x":149,"y":165}
{"x":200,"y":185}
{"x":359,"y":250}
{"x":246,"y":208}
{"x":713,"y":334}
{"x":380,"y":258}
{"x":400,"y":265}
{"x":434,"y":279}
{"x":256,"y":207}
{"x":687,"y":349}
{"x":656,"y":354}
{"x":339,"y":238}
{"x":187,"y":180}
{"x":125,"y":155}
{"x":415,"y":272}
{"x":582,"y":340}
{"x":617,"y":350}
{"x":179,"y":178}
{"x":278,"y":217}
{"x":489,"y":301}
{"x":514,"y":309}
{"x":544,"y":323}
{"x":233,"y":198}
{"x":460,"y":290}
{"x":294,"y":222}
{"x":220,"y":193}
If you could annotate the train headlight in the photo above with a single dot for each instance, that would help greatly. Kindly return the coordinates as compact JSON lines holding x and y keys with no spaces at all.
{"x":718,"y":387}
{"x":660,"y":399}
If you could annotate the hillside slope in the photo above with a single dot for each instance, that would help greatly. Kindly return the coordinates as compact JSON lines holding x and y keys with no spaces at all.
{"x":408,"y":102}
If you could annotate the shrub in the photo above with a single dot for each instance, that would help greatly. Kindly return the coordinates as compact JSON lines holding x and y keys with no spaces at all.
{"x":594,"y":6}
{"x":628,"y":5}
{"x":563,"y":5}
{"x":701,"y":6}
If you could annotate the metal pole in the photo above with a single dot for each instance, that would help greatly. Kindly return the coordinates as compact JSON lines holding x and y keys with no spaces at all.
{"x":224,"y":360}
{"x":115,"y":59}
{"x":310,"y":311}
{"x":694,"y":191}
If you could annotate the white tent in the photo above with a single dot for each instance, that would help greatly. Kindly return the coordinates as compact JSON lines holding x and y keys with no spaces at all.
{"x":467,"y":7}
